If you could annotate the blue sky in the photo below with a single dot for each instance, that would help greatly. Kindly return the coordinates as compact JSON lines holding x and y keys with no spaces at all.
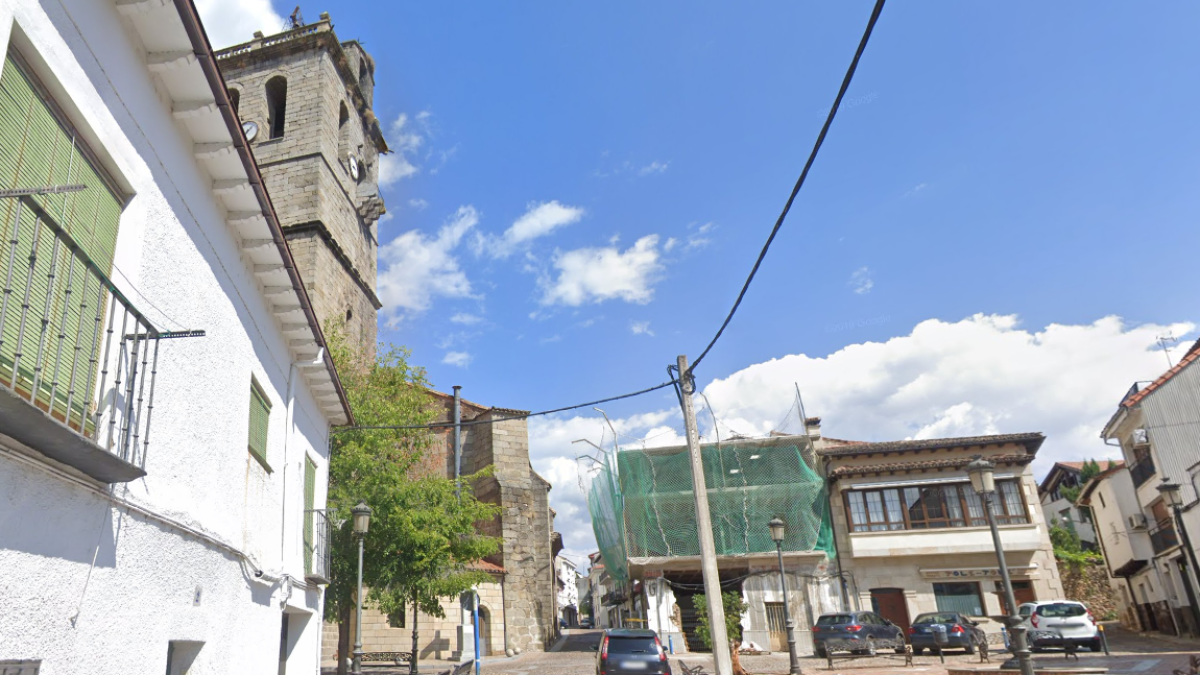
{"x":1003,"y":217}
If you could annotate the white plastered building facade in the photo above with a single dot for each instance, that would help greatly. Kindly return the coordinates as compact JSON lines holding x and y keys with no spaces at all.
{"x":186,"y":546}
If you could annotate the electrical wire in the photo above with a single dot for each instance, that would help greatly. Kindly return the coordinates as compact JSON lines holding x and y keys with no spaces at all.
{"x":837,"y":102}
{"x":450,"y":425}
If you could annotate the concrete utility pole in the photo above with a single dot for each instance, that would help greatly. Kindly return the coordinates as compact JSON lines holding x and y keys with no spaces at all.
{"x":708,"y":552}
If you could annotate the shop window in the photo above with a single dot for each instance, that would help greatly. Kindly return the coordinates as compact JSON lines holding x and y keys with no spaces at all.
{"x":963,"y":598}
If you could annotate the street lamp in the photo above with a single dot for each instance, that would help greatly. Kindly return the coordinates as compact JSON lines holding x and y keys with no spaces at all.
{"x":778,"y":530}
{"x":362,"y":521}
{"x":983,"y":480}
{"x":1174,"y":498}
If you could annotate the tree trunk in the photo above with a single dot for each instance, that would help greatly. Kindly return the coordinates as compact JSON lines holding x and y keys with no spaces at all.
{"x":737,"y":662}
{"x":343,"y":648}
{"x":412,"y":663}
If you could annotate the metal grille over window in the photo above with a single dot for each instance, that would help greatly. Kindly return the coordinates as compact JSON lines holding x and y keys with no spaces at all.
{"x":260,"y":414}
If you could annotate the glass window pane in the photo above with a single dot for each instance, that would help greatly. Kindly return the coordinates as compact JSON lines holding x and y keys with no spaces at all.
{"x":974,"y":506}
{"x":875,"y":510}
{"x":953,"y":505}
{"x":1012,"y":500}
{"x":858,"y":512}
{"x":895,"y":513}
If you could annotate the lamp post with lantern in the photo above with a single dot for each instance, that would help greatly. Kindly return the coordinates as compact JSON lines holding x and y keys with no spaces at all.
{"x":778,"y":530}
{"x":1174,"y":498}
{"x":983,"y":481}
{"x":362,"y":521}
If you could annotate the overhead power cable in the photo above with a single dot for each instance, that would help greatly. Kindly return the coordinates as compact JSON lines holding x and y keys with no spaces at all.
{"x":471,"y":423}
{"x":837,"y":102}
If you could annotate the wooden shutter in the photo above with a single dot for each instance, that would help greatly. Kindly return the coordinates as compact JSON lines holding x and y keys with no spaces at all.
{"x":37,"y":148}
{"x":310,"y":493}
{"x":260,"y":413}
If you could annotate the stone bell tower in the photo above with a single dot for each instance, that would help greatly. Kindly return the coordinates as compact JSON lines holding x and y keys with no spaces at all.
{"x":304,"y":100}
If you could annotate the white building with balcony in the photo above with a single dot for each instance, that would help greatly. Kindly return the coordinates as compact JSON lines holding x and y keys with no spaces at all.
{"x":1156,"y":427}
{"x":568,"y":591}
{"x":911,"y":533}
{"x":165,"y":393}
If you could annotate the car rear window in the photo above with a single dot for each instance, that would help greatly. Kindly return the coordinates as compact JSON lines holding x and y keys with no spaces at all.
{"x":632,"y":645}
{"x":936,"y":618}
{"x":834,"y":619}
{"x":1062,"y":610}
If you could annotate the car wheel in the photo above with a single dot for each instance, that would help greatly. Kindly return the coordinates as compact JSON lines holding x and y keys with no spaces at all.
{"x":917,"y":651}
{"x":1095,"y":645}
{"x":870,"y":650}
{"x":970,"y":647}
{"x":819,"y":652}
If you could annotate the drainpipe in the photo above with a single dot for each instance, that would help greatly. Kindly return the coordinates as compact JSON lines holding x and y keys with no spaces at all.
{"x":457,"y":441}
{"x":837,"y":553}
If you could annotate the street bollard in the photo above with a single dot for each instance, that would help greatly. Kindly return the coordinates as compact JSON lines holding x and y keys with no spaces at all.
{"x":1103,"y":639}
{"x":671,"y":643}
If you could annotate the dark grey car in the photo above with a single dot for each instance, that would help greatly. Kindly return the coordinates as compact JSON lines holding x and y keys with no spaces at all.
{"x":630,"y":651}
{"x":860,"y":632}
{"x":961,"y":632}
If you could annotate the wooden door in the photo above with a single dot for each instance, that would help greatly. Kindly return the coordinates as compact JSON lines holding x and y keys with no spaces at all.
{"x":891,"y":605}
{"x":1022,"y":593}
{"x":777,"y":626}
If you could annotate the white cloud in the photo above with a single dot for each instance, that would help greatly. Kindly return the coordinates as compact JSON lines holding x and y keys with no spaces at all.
{"x":460,"y":359}
{"x":981,"y":375}
{"x":466,"y":319}
{"x":539,"y":220}
{"x":417,"y":268}
{"x":860,"y":281}
{"x":405,"y":138}
{"x":916,"y":189}
{"x":599,"y":274}
{"x":653,"y":168}
{"x":672,"y":242}
{"x":231,"y":22}
{"x":641,"y":328}
{"x":418,"y":204}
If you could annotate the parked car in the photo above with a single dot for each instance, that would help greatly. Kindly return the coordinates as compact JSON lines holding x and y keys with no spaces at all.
{"x":859,"y":632}
{"x":626,"y":651}
{"x":961,"y":632}
{"x":1054,"y":622}
{"x":585,"y":622}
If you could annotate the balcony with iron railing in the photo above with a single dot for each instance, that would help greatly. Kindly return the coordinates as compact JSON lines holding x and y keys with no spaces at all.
{"x":77,"y":359}
{"x":1142,"y":471}
{"x":1163,"y":537}
{"x":318,"y":559}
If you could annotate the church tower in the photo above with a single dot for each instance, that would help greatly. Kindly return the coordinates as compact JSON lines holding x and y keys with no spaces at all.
{"x":304,"y":100}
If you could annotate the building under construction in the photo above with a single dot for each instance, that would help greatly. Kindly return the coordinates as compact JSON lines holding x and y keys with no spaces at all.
{"x":644,"y":516}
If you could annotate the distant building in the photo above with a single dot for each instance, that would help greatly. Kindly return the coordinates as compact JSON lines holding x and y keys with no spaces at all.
{"x":568,"y":592}
{"x":1156,"y":428}
{"x":1060,"y":511}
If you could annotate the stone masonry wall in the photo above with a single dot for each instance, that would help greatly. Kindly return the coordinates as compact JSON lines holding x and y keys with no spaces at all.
{"x":306,"y":172}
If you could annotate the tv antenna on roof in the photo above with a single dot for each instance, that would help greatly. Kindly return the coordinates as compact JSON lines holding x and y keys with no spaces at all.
{"x":1163,"y":341}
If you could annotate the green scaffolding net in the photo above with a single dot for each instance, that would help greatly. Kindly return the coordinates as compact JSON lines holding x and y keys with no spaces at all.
{"x":641,"y":502}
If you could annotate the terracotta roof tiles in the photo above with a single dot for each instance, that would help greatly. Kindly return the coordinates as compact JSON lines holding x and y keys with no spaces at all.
{"x":1031,"y":441}
{"x":922,"y":465}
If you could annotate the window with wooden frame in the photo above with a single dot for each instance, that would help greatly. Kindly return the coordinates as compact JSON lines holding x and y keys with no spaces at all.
{"x":260,"y":415}
{"x":921,"y":507}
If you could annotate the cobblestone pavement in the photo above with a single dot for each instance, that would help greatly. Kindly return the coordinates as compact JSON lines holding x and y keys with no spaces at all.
{"x":1130,"y":654}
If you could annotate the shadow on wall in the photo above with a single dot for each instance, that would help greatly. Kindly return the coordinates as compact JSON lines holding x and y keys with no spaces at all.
{"x":57,"y":521}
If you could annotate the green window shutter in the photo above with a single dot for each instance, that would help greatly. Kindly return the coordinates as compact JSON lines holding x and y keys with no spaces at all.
{"x":310,"y":491}
{"x":260,"y":413}
{"x":37,"y":148}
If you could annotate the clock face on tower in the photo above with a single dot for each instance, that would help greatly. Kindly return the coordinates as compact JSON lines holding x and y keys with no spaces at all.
{"x":250,"y":129}
{"x":355,"y":170}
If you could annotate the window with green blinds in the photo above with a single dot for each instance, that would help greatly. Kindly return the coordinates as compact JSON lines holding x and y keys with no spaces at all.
{"x":39,"y":148}
{"x":310,"y":492}
{"x":260,"y":413}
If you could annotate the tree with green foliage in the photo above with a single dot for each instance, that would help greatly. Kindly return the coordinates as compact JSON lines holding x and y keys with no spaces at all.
{"x":735,"y":609}
{"x":422,"y":537}
{"x":1091,"y":469}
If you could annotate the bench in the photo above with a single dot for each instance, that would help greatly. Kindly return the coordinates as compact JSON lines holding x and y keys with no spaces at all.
{"x":907,"y":655}
{"x":397,"y":658}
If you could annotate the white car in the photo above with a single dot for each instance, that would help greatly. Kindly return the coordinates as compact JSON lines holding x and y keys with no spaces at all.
{"x":1052,"y":623}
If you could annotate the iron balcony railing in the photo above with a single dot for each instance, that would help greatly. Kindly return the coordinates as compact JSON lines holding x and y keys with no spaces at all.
{"x":1163,"y":537}
{"x":1142,"y":471}
{"x":70,"y":343}
{"x":317,"y":555}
